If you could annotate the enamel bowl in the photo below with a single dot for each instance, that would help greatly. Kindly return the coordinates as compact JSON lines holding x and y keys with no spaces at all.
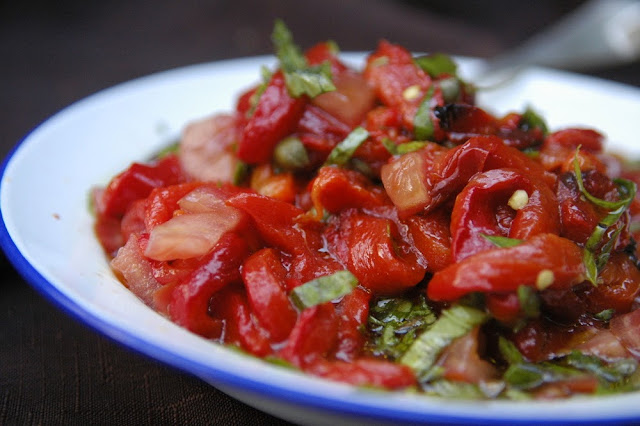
{"x":47,"y":234}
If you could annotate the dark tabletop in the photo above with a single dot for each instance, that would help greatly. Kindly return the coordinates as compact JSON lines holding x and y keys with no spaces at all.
{"x":54,"y":370}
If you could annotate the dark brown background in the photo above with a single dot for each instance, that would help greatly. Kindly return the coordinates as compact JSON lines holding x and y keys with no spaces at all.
{"x":54,"y":370}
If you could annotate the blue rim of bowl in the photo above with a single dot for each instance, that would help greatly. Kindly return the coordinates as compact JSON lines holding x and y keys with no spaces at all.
{"x":276,"y":393}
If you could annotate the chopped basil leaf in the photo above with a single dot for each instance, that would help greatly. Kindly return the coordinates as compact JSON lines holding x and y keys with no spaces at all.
{"x":529,"y":301}
{"x":532,"y":120}
{"x":523,"y":375}
{"x":590,"y":265}
{"x":291,"y":154}
{"x":453,"y":323}
{"x":616,"y":209}
{"x":529,"y":375}
{"x":394,"y":324}
{"x":323,"y":289}
{"x":605,"y":315}
{"x":626,"y":187}
{"x":452,"y":389}
{"x":502,"y":242}
{"x":509,"y":352}
{"x":301,"y":79}
{"x":342,"y":153}
{"x":240,"y":173}
{"x":436,"y":64}
{"x":288,"y":53}
{"x":412,"y":146}
{"x":610,"y":372}
{"x":532,"y":153}
{"x":402,"y":148}
{"x":422,"y":123}
{"x":311,"y":81}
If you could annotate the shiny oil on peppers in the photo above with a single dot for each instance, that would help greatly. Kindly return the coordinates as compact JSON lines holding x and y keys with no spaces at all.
{"x":379,"y":228}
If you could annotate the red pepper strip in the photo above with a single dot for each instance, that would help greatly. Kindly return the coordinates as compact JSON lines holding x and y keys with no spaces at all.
{"x":463,"y":121}
{"x":366,"y":372}
{"x":133,"y":219}
{"x":390,"y":70}
{"x":367,"y":247}
{"x":230,"y":306}
{"x":190,"y":299}
{"x":479,"y":154}
{"x":264,"y":277}
{"x":320,"y":132}
{"x":561,"y":146}
{"x":481,"y":208}
{"x":313,"y":337}
{"x":432,"y":238}
{"x":505,"y":307}
{"x":275,"y":221}
{"x":275,"y":117}
{"x":619,"y":287}
{"x":336,"y":189}
{"x":162,"y":202}
{"x":504,"y":269}
{"x":137,"y":182}
{"x":353,"y":312}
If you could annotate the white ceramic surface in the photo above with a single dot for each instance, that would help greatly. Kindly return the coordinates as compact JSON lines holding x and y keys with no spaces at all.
{"x":47,"y":234}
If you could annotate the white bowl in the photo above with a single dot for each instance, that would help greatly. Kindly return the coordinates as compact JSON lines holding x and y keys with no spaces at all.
{"x":47,"y":234}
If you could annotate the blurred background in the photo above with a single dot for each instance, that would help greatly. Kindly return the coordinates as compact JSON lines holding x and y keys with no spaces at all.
{"x":53,"y":370}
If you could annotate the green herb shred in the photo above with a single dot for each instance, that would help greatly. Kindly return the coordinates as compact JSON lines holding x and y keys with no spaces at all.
{"x":437,"y":64}
{"x":323,"y":289}
{"x":394,"y":323}
{"x":342,"y":153}
{"x":422,"y":122}
{"x":502,"y":242}
{"x":627,"y":189}
{"x":300,"y":77}
{"x":454,"y":322}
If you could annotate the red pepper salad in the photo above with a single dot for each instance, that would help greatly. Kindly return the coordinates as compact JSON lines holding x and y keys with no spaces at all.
{"x":378,"y":228}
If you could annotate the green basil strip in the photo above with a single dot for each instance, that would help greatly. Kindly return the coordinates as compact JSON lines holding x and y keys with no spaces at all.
{"x":532,"y":120}
{"x":610,"y":372}
{"x":616,"y":209}
{"x":300,"y":78}
{"x":627,"y":189}
{"x":394,"y":323}
{"x":342,"y":153}
{"x":288,"y":53}
{"x":453,"y":323}
{"x":312,"y":81}
{"x":589,"y":261}
{"x":402,"y":148}
{"x":422,"y":124}
{"x":529,"y":301}
{"x":323,"y":289}
{"x":502,"y":242}
{"x":436,"y":64}
{"x":509,"y":351}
